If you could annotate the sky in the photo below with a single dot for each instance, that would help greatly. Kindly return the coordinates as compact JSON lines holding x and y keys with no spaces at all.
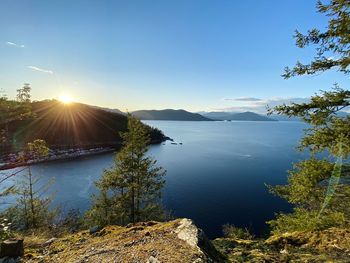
{"x":198,"y":55}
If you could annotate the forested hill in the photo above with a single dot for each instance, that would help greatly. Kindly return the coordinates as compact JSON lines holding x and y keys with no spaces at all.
{"x":171,"y":115}
{"x":242,"y":116}
{"x":72,"y":125}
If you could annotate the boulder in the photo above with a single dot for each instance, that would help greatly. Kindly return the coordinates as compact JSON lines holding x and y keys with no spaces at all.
{"x":153,"y":260}
{"x":196,"y":238}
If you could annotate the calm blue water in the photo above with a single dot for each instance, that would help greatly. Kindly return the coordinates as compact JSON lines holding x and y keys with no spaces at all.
{"x":217,"y":176}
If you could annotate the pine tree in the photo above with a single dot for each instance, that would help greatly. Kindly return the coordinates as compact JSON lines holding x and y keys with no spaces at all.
{"x":130,"y":191}
{"x":14,"y":110}
{"x":11,"y":111}
{"x":315,"y":185}
{"x":32,"y":206}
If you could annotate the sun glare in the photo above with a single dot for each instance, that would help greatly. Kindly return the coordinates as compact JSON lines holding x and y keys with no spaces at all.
{"x":65,"y":98}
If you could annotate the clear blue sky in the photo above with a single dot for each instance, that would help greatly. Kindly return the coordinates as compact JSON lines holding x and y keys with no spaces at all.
{"x":190,"y":54}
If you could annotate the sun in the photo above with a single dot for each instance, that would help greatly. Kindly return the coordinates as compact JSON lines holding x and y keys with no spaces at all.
{"x":65,"y":98}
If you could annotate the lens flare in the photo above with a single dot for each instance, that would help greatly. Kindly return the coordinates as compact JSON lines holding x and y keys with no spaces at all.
{"x":65,"y":98}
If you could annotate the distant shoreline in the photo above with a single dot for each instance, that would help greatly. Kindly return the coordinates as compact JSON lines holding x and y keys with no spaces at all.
{"x":69,"y":154}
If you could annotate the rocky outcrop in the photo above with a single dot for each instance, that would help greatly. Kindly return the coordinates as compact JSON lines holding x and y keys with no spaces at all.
{"x":154,"y":242}
{"x":197,"y":239}
{"x":182,"y":241}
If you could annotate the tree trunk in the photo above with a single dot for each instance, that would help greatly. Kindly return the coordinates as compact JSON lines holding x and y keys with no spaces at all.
{"x":132,"y":205}
{"x":26,"y":216}
{"x":31,"y":198}
{"x":122,"y":206}
{"x":138,"y":200}
{"x":132,"y":210}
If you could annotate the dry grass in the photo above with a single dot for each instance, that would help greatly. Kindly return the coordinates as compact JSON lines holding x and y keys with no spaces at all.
{"x":332,"y":245}
{"x":139,"y":242}
{"x":117,"y":244}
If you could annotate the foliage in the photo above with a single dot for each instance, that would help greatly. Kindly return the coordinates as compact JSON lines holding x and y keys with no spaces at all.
{"x":11,"y":111}
{"x":305,"y":220}
{"x":32,"y":209}
{"x":328,"y":132}
{"x":14,"y":110}
{"x":131,"y":190}
{"x":23,"y":217}
{"x":23,"y":94}
{"x":104,"y":211}
{"x":327,"y":128}
{"x":5,"y":229}
{"x":332,"y":44}
{"x":71,"y":222}
{"x":303,"y":179}
{"x":155,"y":134}
{"x":230,"y":231}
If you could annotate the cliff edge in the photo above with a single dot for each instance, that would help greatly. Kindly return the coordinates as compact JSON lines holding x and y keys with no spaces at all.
{"x":153,"y":242}
{"x":181,"y":241}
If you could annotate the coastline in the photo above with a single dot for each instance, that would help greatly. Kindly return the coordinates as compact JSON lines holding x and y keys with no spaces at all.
{"x":59,"y":155}
{"x":68,"y":154}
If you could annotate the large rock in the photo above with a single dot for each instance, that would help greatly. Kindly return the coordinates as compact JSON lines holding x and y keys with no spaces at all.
{"x":196,"y":238}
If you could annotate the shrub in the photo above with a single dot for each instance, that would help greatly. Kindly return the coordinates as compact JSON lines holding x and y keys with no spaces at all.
{"x":231,"y":231}
{"x":304,"y":220}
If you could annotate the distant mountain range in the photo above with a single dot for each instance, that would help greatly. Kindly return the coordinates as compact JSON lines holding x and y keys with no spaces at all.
{"x":182,"y":115}
{"x":170,"y":115}
{"x":242,"y":116}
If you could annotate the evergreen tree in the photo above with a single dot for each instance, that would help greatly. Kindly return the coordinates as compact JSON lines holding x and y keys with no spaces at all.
{"x":130,"y":192}
{"x":14,"y":110}
{"x":316,"y":186}
{"x":32,"y":206}
{"x":11,"y":111}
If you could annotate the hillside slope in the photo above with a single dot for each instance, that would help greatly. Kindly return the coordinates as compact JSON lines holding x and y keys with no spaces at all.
{"x":171,"y":115}
{"x":172,"y":242}
{"x":181,"y":241}
{"x":71,"y":126}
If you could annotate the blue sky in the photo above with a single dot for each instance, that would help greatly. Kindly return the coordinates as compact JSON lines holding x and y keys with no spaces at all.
{"x":191,"y":54}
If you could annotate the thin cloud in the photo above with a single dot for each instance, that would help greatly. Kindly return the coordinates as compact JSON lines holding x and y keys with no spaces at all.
{"x":14,"y":44}
{"x":258,"y":105}
{"x":40,"y":69}
{"x":256,"y":109}
{"x":242,"y":99}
